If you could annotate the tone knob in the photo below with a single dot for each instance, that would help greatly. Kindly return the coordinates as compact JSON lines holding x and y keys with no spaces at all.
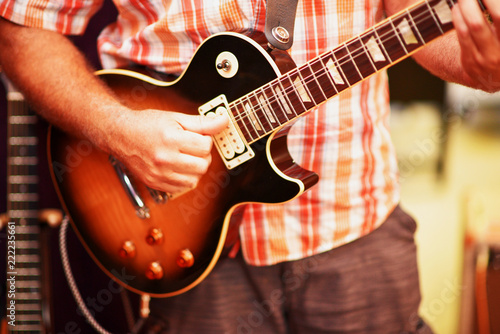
{"x":155,"y":236}
{"x":127,"y":250}
{"x":185,"y":259}
{"x":154,"y":271}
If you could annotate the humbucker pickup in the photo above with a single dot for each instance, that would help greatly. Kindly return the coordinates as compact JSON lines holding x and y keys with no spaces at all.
{"x":232,"y":147}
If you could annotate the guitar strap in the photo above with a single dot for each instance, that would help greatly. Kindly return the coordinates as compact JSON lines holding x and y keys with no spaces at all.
{"x":280,"y":18}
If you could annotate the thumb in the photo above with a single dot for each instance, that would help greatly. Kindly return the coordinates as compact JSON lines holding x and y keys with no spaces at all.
{"x":206,"y":125}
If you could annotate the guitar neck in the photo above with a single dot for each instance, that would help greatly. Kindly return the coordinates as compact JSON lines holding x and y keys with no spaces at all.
{"x":282,"y":100}
{"x":22,"y":210}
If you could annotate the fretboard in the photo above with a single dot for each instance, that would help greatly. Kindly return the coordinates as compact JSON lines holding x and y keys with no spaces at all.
{"x":282,"y":100}
{"x":22,"y":210}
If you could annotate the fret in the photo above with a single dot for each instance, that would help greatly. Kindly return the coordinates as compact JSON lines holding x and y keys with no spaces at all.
{"x":335,"y":72}
{"x":22,"y":179}
{"x":436,"y":20}
{"x":23,"y":197}
{"x":323,"y":77}
{"x":23,"y":161}
{"x":19,"y":214}
{"x":29,"y":317}
{"x":347,"y":65}
{"x":443,"y":12}
{"x":407,"y":33}
{"x":28,"y":296}
{"x":25,"y":244}
{"x":28,"y":229}
{"x":33,"y":328}
{"x":414,"y":27}
{"x":427,"y":27}
{"x":264,"y":114}
{"x":283,"y":99}
{"x":14,"y":97}
{"x":23,"y":140}
{"x":301,"y":89}
{"x":27,"y":307}
{"x":255,"y":120}
{"x":27,"y":258}
{"x":360,"y":57}
{"x":394,"y":44}
{"x":23,"y":119}
{"x":293,"y":96}
{"x":376,"y":49}
{"x":243,"y":121}
{"x":274,"y":104}
{"x":313,"y":86}
{"x":28,"y":284}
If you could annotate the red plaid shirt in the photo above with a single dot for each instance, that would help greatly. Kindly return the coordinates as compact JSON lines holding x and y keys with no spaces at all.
{"x":346,"y":141}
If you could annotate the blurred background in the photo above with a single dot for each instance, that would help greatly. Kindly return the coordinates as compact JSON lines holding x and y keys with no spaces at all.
{"x":447,"y":139}
{"x":448,"y":144}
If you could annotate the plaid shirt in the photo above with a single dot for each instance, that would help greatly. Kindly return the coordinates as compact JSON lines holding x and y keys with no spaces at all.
{"x":346,"y":141}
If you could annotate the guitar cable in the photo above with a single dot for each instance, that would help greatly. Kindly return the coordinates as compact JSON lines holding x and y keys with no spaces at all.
{"x":73,"y":287}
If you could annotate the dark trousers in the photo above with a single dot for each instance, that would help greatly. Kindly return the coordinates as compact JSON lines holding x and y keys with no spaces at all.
{"x":370,"y":285}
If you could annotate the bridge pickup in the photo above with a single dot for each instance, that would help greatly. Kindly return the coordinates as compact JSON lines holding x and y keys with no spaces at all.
{"x":232,"y":146}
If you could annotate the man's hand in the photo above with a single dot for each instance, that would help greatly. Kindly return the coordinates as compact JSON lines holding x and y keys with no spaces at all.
{"x":479,"y":41}
{"x":165,"y":150}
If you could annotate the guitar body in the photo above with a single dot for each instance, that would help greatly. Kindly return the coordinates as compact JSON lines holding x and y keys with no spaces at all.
{"x":145,"y":254}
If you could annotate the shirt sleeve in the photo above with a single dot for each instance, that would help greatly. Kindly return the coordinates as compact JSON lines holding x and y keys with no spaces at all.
{"x":69,"y":17}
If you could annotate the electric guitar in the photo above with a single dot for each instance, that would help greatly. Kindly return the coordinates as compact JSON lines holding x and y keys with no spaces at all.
{"x":28,"y":305}
{"x":162,"y":246}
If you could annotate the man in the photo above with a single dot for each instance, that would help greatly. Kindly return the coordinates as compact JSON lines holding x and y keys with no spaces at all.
{"x":339,"y":259}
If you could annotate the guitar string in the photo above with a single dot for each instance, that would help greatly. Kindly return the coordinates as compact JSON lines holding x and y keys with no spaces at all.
{"x":341,"y":61}
{"x":347,"y":59}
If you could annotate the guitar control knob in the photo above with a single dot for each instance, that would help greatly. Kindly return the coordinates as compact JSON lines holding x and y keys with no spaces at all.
{"x":155,"y":236}
{"x":154,"y":271}
{"x":185,"y":259}
{"x":127,"y":250}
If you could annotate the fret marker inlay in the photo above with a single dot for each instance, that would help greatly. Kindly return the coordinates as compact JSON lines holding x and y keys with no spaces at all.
{"x":334,"y":72}
{"x":406,"y":32}
{"x":269,"y":114}
{"x":252,"y":116}
{"x":374,"y":50}
{"x":277,"y":91}
{"x":301,"y":90}
{"x":443,"y":12}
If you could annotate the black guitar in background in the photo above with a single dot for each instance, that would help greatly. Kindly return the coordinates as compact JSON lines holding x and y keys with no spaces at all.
{"x":28,"y":306}
{"x":91,"y":280}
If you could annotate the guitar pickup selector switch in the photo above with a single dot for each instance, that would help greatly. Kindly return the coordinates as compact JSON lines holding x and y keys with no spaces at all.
{"x":226,"y":64}
{"x":230,"y":143}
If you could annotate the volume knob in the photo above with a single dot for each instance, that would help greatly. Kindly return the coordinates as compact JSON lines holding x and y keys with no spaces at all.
{"x":155,"y":236}
{"x":185,"y":258}
{"x":127,"y":250}
{"x":154,"y":271}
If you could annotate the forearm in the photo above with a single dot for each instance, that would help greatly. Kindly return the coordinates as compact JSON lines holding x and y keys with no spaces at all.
{"x":57,"y":81}
{"x":442,"y":58}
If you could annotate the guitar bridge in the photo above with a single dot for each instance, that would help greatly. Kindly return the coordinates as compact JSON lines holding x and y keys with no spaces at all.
{"x":232,"y":146}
